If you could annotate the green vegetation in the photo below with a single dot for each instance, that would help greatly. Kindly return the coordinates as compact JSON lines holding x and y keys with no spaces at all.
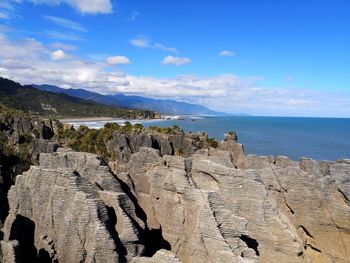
{"x":16,"y":159}
{"x":34,"y":101}
{"x":208,"y":142}
{"x":85,"y":140}
{"x":94,"y":141}
{"x":166,"y":130}
{"x":10,"y":111}
{"x":212,"y":142}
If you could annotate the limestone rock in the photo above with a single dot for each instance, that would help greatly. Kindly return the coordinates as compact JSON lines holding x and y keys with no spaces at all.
{"x":63,"y":210}
{"x":162,"y":256}
{"x":15,"y":126}
{"x":203,"y":205}
{"x":211,"y":207}
{"x":10,"y":252}
{"x":123,"y":145}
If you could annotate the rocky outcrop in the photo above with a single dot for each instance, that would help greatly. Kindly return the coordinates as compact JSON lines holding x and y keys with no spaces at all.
{"x":23,"y":139}
{"x":200,"y":204}
{"x":3,"y":190}
{"x":28,"y":136}
{"x":14,"y":127}
{"x":123,"y":145}
{"x":71,"y":208}
{"x":219,"y":205}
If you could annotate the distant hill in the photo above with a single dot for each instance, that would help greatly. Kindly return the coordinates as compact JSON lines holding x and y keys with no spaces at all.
{"x":135,"y":102}
{"x":32,"y":100}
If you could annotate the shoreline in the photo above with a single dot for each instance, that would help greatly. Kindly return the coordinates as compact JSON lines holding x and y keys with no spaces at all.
{"x":65,"y":120}
{"x":92,"y":119}
{"x":99,"y":122}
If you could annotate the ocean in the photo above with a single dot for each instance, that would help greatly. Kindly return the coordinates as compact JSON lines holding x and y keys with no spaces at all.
{"x":318,"y":138}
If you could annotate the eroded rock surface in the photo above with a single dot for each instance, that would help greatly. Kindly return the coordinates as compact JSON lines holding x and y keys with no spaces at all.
{"x":218,"y":205}
{"x":202,"y":204}
{"x":22,"y":139}
{"x":16,"y":126}
{"x":71,"y":208}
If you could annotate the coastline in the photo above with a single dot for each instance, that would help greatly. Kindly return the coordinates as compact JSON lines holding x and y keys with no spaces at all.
{"x":88,"y":119}
{"x":99,"y":122}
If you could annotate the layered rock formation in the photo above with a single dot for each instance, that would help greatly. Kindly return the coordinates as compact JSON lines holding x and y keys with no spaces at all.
{"x":39,"y":132}
{"x":200,"y":204}
{"x":22,"y":139}
{"x":16,"y":126}
{"x":218,"y":205}
{"x":71,"y":208}
{"x":123,"y":145}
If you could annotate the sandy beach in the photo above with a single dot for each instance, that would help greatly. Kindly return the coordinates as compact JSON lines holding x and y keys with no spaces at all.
{"x":68,"y":120}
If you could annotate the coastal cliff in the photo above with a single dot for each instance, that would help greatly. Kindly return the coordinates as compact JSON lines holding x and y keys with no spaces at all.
{"x":161,"y":195}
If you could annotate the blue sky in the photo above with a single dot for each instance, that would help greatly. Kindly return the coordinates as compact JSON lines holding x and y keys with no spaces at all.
{"x":263,"y":57}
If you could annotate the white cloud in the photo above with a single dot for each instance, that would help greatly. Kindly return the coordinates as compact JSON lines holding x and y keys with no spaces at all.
{"x":64,"y":36}
{"x":226,"y":53}
{"x":141,"y":42}
{"x":59,"y":55}
{"x":165,"y":48}
{"x":28,"y":61}
{"x":63,"y":46}
{"x":118,"y":60}
{"x":66,"y":23}
{"x":83,"y":6}
{"x":93,"y":6}
{"x":144,"y":42}
{"x":177,"y":61}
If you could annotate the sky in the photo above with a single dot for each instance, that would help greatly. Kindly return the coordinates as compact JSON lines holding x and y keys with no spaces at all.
{"x":259,"y":57}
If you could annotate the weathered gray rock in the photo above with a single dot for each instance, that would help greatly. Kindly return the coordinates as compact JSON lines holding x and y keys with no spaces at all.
{"x":235,"y":149}
{"x":205,"y":205}
{"x":10,"y":252}
{"x":71,"y":208}
{"x":123,"y":145}
{"x":161,"y":256}
{"x":213,"y":207}
{"x":15,"y":126}
{"x":43,"y":146}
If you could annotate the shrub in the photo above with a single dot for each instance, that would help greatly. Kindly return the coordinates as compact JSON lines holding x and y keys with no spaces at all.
{"x":212,"y":142}
{"x":139,"y":127}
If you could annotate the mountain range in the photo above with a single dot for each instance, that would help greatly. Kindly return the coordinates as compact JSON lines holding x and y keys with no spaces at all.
{"x":134,"y":102}
{"x":32,"y":100}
